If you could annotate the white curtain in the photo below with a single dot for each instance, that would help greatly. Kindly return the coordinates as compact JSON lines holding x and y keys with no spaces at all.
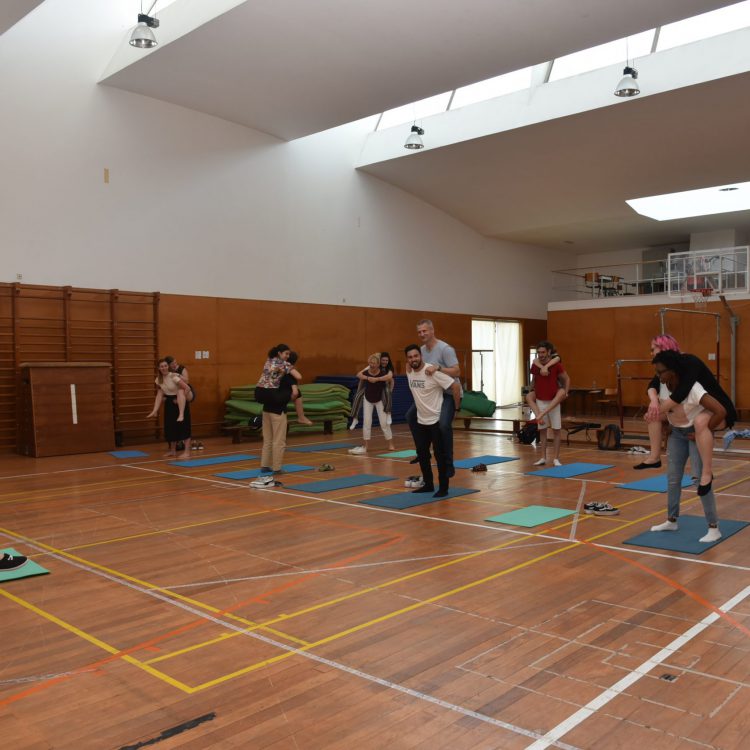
{"x":496,"y":360}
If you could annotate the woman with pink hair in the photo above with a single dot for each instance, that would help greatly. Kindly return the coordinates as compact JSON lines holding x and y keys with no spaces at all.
{"x":694,"y":370}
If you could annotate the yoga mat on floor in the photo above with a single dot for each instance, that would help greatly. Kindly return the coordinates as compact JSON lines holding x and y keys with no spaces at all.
{"x":28,"y":569}
{"x":340,"y":483}
{"x":320,"y":447}
{"x":533,"y":515}
{"x":685,"y":539}
{"x":468,"y":463}
{"x":255,"y":473}
{"x":398,"y":454}
{"x":653,"y":484}
{"x":403,"y":500}
{"x":211,"y":461}
{"x":127,"y":454}
{"x":570,"y":470}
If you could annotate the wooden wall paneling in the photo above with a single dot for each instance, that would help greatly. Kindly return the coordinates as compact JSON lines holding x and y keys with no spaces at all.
{"x":8,"y":415}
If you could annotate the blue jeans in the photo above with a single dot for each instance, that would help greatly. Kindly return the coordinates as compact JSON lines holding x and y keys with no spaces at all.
{"x":679,"y":448}
{"x":447,"y":412}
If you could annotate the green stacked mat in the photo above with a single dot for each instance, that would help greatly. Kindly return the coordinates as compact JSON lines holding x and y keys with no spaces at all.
{"x":476,"y":403}
{"x":323,"y":402}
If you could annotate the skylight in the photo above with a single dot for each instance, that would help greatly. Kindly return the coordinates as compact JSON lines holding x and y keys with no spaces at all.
{"x":603,"y":55}
{"x":415,"y":111}
{"x":705,"y":25}
{"x":492,"y":87}
{"x":704,"y":202}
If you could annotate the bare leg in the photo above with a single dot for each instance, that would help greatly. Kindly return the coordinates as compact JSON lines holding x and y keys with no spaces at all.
{"x":171,"y":451}
{"x":299,"y":407}
{"x":186,"y":452}
{"x":181,"y":401}
{"x":543,"y":441}
{"x":654,"y":442}
{"x":704,"y":441}
{"x":557,"y":435}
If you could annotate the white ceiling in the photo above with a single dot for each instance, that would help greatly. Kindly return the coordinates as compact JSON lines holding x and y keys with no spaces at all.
{"x":12,"y":11}
{"x":295,"y":67}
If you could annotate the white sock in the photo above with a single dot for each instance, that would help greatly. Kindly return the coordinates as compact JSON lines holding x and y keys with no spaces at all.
{"x":666,"y":526}
{"x":712,"y":535}
{"x":354,"y":423}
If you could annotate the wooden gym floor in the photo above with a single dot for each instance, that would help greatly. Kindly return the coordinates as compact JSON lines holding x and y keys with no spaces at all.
{"x":187,"y":611}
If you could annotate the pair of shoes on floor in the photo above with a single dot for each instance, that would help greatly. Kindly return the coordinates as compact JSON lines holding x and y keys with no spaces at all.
{"x":326,"y":467}
{"x":12,"y":562}
{"x":414,"y":483}
{"x":643,"y":465}
{"x":360,"y":450}
{"x":601,"y":509}
{"x":269,"y":480}
{"x":196,"y":445}
{"x":479,"y":467}
{"x":637,"y":449}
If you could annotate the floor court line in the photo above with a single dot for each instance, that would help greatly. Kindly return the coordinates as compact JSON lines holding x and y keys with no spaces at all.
{"x":573,"y":721}
{"x":497,"y":529}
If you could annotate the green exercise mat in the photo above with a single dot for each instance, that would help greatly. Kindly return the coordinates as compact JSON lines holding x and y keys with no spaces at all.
{"x":28,"y":569}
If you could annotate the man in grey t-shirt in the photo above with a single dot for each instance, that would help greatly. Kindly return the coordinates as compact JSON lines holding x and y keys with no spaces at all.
{"x":439,"y":357}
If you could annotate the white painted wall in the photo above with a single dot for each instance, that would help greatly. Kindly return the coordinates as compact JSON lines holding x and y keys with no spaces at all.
{"x":197,"y":205}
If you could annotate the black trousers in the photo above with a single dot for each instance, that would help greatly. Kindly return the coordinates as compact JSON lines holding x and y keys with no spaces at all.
{"x":426,"y":435}
{"x":447,"y":412}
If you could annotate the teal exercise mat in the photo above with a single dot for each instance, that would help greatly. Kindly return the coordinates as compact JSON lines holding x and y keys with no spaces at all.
{"x":127,"y":454}
{"x":532,"y":515}
{"x":470,"y":463}
{"x":398,"y":454}
{"x":28,"y":569}
{"x":569,"y":470}
{"x":403,"y":500}
{"x":685,"y":539}
{"x":255,"y":473}
{"x":654,"y":484}
{"x":213,"y":460}
{"x":340,"y":483}
{"x":320,"y":447}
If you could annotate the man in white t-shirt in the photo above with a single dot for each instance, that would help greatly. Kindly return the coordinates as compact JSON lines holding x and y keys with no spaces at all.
{"x":429,"y":391}
{"x":682,"y":442}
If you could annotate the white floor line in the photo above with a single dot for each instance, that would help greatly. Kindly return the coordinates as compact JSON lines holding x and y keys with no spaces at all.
{"x":471,"y":524}
{"x":242,"y":630}
{"x":566,"y":726}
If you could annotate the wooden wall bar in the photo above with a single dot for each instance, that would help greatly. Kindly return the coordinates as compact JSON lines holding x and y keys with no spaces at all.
{"x":591,"y":340}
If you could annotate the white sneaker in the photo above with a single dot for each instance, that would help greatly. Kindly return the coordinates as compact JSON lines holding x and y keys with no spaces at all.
{"x":358,"y":451}
{"x":540,"y":462}
{"x":556,"y":462}
{"x":263,"y":481}
{"x":353,"y":425}
{"x":666,"y":526}
{"x":713,"y":535}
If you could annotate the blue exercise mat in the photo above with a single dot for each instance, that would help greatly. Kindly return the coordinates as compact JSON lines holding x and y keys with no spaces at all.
{"x":127,"y":454}
{"x":320,"y":447}
{"x":403,"y":500}
{"x":570,"y":470}
{"x":28,"y":569}
{"x":470,"y":463}
{"x":532,"y":515}
{"x":255,"y":473}
{"x":212,"y":461}
{"x":685,"y":539}
{"x":654,"y":484}
{"x":340,"y":483}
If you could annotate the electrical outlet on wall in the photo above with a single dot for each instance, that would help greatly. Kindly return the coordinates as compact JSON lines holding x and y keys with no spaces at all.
{"x":205,"y":354}
{"x":198,"y":354}
{"x":711,"y":357}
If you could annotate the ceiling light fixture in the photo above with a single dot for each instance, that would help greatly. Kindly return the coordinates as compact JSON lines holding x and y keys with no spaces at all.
{"x":628,"y":85}
{"x":142,"y":36}
{"x":414,"y":141}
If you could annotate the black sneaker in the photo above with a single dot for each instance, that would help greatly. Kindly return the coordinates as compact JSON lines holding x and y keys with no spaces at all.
{"x":12,"y":562}
{"x":479,"y":467}
{"x":591,"y":507}
{"x":605,"y":509}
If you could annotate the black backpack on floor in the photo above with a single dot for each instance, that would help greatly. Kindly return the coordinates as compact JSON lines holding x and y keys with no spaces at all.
{"x":528,"y":433}
{"x":609,"y":438}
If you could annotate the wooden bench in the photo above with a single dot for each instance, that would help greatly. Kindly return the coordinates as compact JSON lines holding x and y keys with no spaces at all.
{"x":572,"y":426}
{"x":238,"y":431}
{"x":468,"y":417}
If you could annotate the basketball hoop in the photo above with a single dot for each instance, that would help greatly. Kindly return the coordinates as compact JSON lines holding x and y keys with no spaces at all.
{"x":701,"y":297}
